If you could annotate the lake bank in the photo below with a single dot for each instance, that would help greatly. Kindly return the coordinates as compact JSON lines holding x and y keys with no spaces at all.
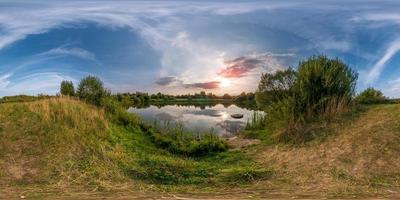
{"x":359,"y":159}
{"x":207,"y":118}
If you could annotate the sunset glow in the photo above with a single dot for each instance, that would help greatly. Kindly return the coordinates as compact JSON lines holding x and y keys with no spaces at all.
{"x":224,"y":83}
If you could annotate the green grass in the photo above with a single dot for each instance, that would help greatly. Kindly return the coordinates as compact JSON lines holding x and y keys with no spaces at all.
{"x":62,"y":142}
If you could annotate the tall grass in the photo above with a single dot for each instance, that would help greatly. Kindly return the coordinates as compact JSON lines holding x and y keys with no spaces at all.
{"x":174,"y":138}
{"x":324,"y":87}
{"x":257,"y":121}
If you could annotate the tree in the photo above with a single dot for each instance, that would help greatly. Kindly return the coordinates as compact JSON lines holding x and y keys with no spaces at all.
{"x":91,"y":90}
{"x":67,"y":88}
{"x":226,"y":96}
{"x":275,"y":87}
{"x":371,"y":96}
{"x":320,"y":89}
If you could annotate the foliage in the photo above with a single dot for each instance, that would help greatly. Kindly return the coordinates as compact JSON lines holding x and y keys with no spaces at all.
{"x":275,"y":87}
{"x":324,"y":86}
{"x":256,"y":122}
{"x":118,"y":114}
{"x":22,"y":98}
{"x":91,"y":90}
{"x":177,"y":141}
{"x":320,"y":89}
{"x":67,"y":88}
{"x":371,"y":96}
{"x":72,"y":143}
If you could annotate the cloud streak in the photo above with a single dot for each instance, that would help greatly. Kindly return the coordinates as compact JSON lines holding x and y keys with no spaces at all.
{"x":204,"y":85}
{"x":241,"y":66}
{"x":168,"y":80}
{"x":377,"y":68}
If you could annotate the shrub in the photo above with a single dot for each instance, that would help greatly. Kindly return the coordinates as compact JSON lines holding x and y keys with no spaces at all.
{"x":323,"y":87}
{"x":320,"y":89}
{"x":91,"y":90}
{"x":67,"y":88}
{"x":184,"y":143}
{"x":371,"y":96}
{"x":117,"y":113}
{"x":18,"y":98}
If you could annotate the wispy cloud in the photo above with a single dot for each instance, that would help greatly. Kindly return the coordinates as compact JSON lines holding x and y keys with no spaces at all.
{"x":70,"y":51}
{"x":34,"y":84}
{"x":200,"y":42}
{"x":4,"y":81}
{"x":204,"y":85}
{"x":164,"y":81}
{"x":376,"y":70}
{"x":241,"y":66}
{"x":174,"y":81}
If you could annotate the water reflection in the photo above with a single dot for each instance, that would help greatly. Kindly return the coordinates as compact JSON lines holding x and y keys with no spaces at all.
{"x":198,"y":118}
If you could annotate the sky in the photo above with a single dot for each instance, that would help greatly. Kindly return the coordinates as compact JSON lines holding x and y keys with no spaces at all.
{"x":180,"y":47}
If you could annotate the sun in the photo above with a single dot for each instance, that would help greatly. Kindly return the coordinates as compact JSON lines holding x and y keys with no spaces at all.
{"x":225,"y":83}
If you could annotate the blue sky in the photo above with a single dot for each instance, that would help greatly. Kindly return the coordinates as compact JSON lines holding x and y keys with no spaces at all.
{"x":189,"y":46}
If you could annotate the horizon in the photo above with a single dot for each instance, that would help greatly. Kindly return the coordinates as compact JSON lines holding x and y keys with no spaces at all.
{"x":182,"y":47}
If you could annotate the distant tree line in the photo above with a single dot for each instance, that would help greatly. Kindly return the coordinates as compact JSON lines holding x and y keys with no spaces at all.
{"x":91,"y":89}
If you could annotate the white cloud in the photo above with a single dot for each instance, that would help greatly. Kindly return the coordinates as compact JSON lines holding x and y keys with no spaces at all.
{"x":182,"y":54}
{"x":376,"y":70}
{"x":34,"y":84}
{"x":4,"y":81}
{"x":340,"y":45}
{"x":70,"y":51}
{"x":394,"y":17}
{"x":157,"y":22}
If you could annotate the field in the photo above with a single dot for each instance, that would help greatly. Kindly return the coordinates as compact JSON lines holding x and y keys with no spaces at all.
{"x":62,"y":148}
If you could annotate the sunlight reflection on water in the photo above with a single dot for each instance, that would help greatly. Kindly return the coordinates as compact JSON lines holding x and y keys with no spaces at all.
{"x":196,"y":119}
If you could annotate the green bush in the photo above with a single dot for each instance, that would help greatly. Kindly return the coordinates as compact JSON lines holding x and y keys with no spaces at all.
{"x":371,"y":96}
{"x":320,"y":89}
{"x":324,"y":87}
{"x":18,"y":98}
{"x":91,"y":90}
{"x":118,"y":114}
{"x":184,"y":143}
{"x":67,"y":88}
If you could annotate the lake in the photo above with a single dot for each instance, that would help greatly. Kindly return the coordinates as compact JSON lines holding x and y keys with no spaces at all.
{"x":197,"y":119}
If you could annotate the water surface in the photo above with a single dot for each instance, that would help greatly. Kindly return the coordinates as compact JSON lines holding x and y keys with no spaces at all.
{"x":198,"y":119}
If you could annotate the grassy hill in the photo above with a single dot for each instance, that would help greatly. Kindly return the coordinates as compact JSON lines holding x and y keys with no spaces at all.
{"x":359,"y":157}
{"x":62,"y":144}
{"x":57,"y":141}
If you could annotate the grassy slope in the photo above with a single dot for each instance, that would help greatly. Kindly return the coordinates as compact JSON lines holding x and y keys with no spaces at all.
{"x":361,"y":157}
{"x":63,"y":143}
{"x":57,"y":142}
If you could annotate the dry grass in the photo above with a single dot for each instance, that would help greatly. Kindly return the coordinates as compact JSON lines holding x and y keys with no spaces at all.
{"x":361,"y":158}
{"x":58,"y":141}
{"x":63,"y":145}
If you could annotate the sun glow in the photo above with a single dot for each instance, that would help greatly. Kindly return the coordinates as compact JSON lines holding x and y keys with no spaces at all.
{"x":224,"y":83}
